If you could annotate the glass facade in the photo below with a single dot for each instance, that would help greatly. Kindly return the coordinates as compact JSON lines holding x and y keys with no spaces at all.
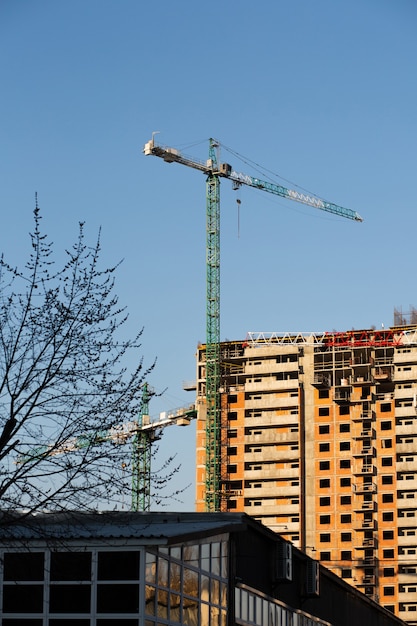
{"x":253,"y":608}
{"x":187,"y":585}
{"x":103,"y":587}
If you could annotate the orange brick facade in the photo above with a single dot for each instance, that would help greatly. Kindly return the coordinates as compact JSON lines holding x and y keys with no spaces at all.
{"x":319,"y":442}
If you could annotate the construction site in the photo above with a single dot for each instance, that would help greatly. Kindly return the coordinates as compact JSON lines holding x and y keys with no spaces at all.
{"x":318,"y":441}
{"x":313,"y":434}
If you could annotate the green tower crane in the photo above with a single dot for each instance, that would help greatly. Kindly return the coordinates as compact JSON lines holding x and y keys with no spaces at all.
{"x":214,"y":170}
{"x":143,"y":432}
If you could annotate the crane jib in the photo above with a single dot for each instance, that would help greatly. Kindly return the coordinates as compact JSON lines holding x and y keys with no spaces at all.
{"x":172,"y":155}
{"x":280,"y":190}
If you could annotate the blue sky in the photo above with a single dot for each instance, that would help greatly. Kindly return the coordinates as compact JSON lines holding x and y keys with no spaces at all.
{"x":322,"y":92}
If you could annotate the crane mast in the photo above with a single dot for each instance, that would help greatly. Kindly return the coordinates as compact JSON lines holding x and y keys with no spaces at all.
{"x":141,"y":458}
{"x":213,"y":452}
{"x":214,"y":170}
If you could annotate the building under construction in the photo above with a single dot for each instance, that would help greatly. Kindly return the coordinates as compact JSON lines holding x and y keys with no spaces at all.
{"x":318,"y":440}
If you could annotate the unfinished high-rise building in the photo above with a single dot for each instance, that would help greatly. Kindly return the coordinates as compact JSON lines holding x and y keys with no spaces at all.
{"x":318,"y":440}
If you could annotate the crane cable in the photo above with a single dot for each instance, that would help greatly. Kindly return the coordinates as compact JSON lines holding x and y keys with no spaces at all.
{"x":269,"y":174}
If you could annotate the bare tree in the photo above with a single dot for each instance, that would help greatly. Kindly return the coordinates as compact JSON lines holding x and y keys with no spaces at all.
{"x":66,"y":381}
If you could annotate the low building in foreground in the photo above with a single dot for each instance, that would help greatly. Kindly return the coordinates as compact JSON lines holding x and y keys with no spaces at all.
{"x":146,"y":569}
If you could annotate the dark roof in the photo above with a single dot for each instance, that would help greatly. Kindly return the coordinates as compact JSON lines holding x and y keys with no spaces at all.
{"x":159,"y":527}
